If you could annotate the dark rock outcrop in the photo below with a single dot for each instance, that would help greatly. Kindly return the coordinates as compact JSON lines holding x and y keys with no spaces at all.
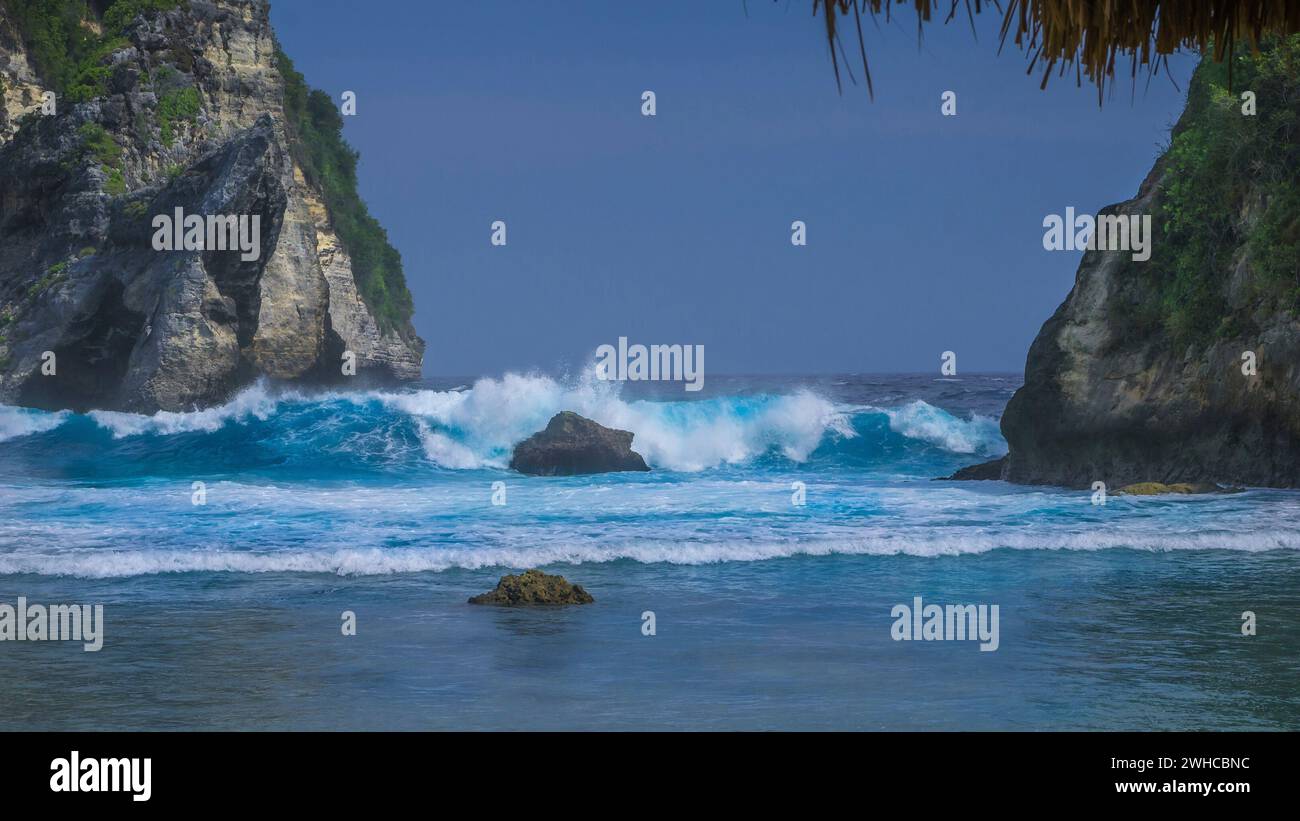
{"x":1142,"y":374}
{"x":571,"y":445}
{"x":138,"y":329}
{"x":1104,"y":402}
{"x":984,"y":471}
{"x":533,"y":587}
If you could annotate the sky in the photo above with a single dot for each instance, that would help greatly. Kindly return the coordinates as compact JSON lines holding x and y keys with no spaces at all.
{"x":924,"y":232}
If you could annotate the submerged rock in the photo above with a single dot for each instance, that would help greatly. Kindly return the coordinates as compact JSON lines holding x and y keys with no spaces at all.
{"x":571,"y":445}
{"x":533,"y":587}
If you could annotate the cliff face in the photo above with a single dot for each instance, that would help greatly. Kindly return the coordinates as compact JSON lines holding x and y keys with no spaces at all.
{"x":183,"y":106}
{"x":1144,"y":373}
{"x":20,"y":90}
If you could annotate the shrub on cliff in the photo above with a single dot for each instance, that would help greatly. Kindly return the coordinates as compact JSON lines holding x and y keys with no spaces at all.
{"x":121,"y":12}
{"x":328,"y":161}
{"x":1231,"y":180}
{"x":67,"y":53}
{"x":56,"y":39}
{"x":180,"y":105}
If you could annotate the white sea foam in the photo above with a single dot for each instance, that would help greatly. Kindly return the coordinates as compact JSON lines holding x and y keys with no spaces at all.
{"x":16,"y":422}
{"x":101,"y":563}
{"x":920,"y":420}
{"x":479,"y":426}
{"x":256,"y":402}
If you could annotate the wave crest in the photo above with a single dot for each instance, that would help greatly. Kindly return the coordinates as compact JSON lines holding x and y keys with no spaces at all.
{"x":378,"y":561}
{"x":478,"y":427}
{"x":18,"y":422}
{"x":920,"y":420}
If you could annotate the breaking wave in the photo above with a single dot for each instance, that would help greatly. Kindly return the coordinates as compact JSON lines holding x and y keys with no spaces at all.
{"x":477,"y":428}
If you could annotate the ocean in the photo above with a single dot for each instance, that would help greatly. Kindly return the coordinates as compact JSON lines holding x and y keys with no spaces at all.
{"x":783,"y":521}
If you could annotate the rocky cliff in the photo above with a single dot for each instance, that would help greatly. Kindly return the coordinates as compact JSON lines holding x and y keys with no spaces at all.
{"x":164,"y":105}
{"x":20,"y":89}
{"x":1185,"y":367}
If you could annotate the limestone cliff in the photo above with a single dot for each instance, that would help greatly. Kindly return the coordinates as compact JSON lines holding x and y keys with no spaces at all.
{"x":172,"y":104}
{"x":20,"y":89}
{"x":1186,"y":367}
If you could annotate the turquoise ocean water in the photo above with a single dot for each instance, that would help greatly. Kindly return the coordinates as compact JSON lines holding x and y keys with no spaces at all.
{"x":768,"y":614}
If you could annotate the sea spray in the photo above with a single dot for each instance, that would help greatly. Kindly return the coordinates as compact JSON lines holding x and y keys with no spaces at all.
{"x":16,"y":422}
{"x":477,"y":428}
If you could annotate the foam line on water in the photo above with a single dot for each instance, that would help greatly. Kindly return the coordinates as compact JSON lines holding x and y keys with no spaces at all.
{"x":101,"y":563}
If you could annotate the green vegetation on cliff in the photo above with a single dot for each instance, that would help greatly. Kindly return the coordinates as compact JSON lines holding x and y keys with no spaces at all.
{"x":182,"y":104}
{"x":60,"y":45}
{"x":120,"y":13}
{"x":68,"y":54}
{"x":1231,"y":182}
{"x":99,"y":144}
{"x":316,"y":128}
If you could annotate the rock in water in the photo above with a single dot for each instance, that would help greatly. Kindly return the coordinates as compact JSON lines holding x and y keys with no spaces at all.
{"x":571,"y":445}
{"x":533,"y":587}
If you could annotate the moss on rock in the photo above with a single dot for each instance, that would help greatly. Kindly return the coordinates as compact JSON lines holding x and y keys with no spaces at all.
{"x":533,"y":587}
{"x":1160,"y":488}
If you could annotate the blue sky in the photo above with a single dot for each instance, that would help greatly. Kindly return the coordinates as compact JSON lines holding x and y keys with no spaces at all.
{"x":924,"y":231}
